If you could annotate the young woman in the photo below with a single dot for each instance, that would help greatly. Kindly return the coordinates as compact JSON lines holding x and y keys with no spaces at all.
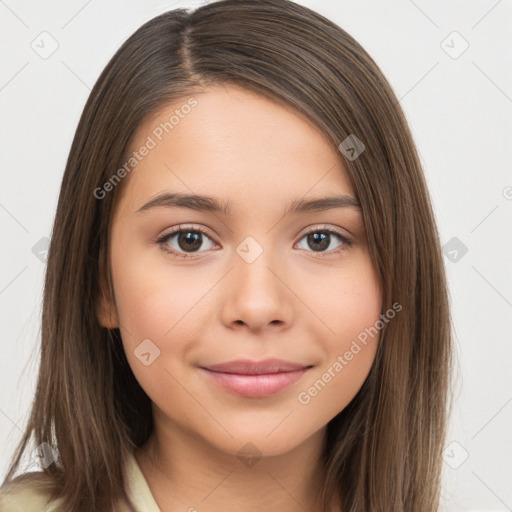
{"x":245,"y":304}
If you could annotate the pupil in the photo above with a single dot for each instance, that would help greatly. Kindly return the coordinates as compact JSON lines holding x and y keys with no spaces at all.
{"x":318,"y":241}
{"x":189,"y":240}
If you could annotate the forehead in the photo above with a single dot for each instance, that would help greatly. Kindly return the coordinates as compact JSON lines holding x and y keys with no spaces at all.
{"x":236,"y":144}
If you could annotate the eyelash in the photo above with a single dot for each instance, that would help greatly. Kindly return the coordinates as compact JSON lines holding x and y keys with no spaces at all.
{"x":161,"y":241}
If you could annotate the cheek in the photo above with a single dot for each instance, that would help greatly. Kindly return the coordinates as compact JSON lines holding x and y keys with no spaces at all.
{"x":347,"y":301}
{"x":154,"y":301}
{"x":163,"y":305}
{"x":350,"y":310}
{"x":357,"y":308}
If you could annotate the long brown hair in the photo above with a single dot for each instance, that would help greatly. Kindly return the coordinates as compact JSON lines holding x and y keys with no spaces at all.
{"x":383,"y":451}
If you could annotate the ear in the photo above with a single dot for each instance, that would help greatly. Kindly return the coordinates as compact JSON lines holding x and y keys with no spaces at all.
{"x":106,"y":310}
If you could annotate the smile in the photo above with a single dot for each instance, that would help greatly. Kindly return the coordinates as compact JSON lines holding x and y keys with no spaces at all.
{"x":254,"y":383}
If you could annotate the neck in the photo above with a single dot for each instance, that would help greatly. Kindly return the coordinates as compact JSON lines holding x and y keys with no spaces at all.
{"x":186,"y":473}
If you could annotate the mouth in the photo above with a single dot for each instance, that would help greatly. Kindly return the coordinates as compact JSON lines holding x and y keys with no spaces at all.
{"x":256,"y":379}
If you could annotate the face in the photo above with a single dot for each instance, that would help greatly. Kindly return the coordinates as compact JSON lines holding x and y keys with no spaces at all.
{"x":249,"y":282}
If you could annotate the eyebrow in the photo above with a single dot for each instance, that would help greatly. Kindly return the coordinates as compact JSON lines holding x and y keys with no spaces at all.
{"x":211,"y":204}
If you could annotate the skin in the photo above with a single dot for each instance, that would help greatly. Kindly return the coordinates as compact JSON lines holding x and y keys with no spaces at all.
{"x":291,"y":302}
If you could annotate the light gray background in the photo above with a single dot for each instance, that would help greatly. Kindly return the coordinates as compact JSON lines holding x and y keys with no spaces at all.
{"x":459,"y":108}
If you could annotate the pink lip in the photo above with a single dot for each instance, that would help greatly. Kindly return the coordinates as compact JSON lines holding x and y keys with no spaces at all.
{"x":256,"y":379}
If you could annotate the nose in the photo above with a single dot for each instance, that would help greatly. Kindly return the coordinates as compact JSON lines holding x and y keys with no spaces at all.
{"x":257,"y":296}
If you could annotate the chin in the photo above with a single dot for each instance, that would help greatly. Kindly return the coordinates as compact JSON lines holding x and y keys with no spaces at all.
{"x":252,"y":443}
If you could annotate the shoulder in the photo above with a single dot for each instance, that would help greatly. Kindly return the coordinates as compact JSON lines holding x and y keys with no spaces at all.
{"x":29,"y":492}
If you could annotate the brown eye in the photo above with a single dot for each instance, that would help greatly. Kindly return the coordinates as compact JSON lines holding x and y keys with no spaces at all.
{"x":185,"y":240}
{"x":323,"y":241}
{"x":189,"y":240}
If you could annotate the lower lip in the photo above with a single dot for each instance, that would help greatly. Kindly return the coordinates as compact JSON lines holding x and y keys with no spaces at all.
{"x":256,"y":386}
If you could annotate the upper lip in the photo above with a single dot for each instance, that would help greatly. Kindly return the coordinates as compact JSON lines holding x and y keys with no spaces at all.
{"x":247,"y":367}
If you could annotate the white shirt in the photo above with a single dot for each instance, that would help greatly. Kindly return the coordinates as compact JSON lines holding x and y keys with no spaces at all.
{"x":31,"y":495}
